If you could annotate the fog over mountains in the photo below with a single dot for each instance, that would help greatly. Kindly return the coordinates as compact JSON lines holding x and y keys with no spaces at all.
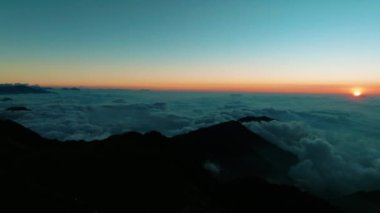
{"x":336,"y":138}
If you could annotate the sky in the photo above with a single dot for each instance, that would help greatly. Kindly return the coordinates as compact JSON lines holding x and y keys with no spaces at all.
{"x":300,"y":46}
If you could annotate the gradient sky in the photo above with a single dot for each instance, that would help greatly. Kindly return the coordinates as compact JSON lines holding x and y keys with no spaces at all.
{"x":239,"y":45}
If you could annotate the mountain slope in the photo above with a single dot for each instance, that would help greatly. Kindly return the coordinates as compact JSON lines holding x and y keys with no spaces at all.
{"x":21,"y":89}
{"x":149,"y":172}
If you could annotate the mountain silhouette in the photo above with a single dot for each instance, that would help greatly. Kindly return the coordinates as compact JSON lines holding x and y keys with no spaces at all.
{"x":6,"y":99}
{"x":20,"y":89}
{"x":255,"y":119}
{"x":238,"y":151}
{"x":360,"y":202}
{"x":150,"y":172}
{"x":17,"y":109}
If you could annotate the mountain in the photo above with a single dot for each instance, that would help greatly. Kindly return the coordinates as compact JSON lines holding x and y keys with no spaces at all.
{"x":6,"y":99}
{"x":71,"y":88}
{"x":17,"y":108}
{"x":238,"y":151}
{"x":20,"y":89}
{"x":223,"y":168}
{"x":255,"y":119}
{"x":360,"y":202}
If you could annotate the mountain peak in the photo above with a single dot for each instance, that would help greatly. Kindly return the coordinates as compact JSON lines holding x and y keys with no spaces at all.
{"x":131,"y":172}
{"x":255,"y":119}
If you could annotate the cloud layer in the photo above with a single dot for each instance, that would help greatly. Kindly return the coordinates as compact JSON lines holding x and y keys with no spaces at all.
{"x":335,"y":137}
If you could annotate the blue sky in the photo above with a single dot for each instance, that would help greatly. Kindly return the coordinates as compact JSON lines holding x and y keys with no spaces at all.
{"x":191,"y":42}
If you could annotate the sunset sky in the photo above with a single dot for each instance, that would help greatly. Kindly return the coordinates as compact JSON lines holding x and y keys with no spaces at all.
{"x":301,"y":46}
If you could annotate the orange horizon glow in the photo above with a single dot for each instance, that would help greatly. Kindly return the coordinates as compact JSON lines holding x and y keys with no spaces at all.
{"x":189,"y":77}
{"x":339,"y":89}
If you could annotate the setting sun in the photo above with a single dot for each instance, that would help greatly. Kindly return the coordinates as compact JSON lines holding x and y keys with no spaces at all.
{"x":357,"y":92}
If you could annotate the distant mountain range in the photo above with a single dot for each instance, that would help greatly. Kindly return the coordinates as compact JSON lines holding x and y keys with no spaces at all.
{"x":222,"y":168}
{"x":21,"y":89}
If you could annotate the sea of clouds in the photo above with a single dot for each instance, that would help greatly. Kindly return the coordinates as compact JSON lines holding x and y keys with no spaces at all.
{"x":337,"y":138}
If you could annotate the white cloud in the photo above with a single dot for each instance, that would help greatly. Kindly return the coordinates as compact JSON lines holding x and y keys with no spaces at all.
{"x":326,"y":166}
{"x":336,"y":138}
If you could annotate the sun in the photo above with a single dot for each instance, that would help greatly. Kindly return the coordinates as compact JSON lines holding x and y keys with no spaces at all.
{"x":357,"y":92}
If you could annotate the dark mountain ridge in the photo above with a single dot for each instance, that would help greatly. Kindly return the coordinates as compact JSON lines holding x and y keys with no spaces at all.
{"x":360,"y":202}
{"x":21,"y":89}
{"x":149,"y":172}
{"x":17,"y":108}
{"x":255,"y":119}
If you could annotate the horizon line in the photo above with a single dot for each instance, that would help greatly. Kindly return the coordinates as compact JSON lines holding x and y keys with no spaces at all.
{"x":315,"y":89}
